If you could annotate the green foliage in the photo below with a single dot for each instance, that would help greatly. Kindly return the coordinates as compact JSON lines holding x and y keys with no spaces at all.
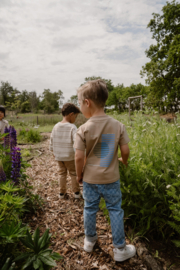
{"x":174,"y":205}
{"x":74,"y":99}
{"x":154,"y":164}
{"x":8,"y":265}
{"x":11,"y":231}
{"x":25,"y":153}
{"x":15,"y":200}
{"x":163,"y":69}
{"x":39,"y":255}
{"x":102,"y":206}
{"x":5,"y":92}
{"x":11,"y":205}
{"x":119,"y":96}
{"x":51,"y":101}
{"x":11,"y":210}
{"x":25,"y":107}
{"x":29,"y":135}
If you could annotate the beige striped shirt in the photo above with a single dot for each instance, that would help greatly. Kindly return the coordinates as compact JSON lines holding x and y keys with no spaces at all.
{"x":62,"y":140}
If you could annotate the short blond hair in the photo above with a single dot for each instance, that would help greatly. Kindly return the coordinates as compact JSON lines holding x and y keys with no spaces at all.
{"x":95,"y":90}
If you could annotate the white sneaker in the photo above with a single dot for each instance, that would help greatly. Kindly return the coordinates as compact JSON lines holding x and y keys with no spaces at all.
{"x":61,"y":195}
{"x":77,"y":195}
{"x":88,"y":246}
{"x":122,"y":254}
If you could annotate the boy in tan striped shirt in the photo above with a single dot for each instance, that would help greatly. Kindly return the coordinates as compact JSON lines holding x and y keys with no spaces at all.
{"x":61,"y":144}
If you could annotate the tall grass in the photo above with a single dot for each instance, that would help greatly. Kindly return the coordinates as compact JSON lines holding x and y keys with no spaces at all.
{"x":45,"y":122}
{"x":42,"y":120}
{"x":153,"y":169}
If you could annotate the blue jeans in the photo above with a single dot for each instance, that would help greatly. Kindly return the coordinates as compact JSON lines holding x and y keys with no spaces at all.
{"x":111,"y":193}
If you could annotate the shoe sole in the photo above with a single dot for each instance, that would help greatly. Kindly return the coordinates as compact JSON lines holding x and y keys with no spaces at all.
{"x":132,"y":254}
{"x":77,"y":196}
{"x":61,"y":196}
{"x":88,"y":250}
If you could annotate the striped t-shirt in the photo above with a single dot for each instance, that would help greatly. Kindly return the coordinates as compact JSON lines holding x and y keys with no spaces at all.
{"x":62,"y":140}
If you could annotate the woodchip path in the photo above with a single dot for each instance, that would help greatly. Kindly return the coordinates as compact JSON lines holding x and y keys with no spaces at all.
{"x":64,"y":218}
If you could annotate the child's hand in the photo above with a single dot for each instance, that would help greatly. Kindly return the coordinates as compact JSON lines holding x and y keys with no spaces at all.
{"x":79,"y":179}
{"x":120,"y":159}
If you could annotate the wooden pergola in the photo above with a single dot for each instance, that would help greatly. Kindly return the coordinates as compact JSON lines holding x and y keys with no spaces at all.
{"x":130,"y":103}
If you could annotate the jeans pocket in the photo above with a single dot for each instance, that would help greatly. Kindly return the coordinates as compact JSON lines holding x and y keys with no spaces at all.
{"x":90,"y":192}
{"x":113,"y":192}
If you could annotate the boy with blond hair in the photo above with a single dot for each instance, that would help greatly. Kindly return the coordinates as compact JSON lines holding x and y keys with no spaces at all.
{"x":99,"y":138}
{"x":61,"y":144}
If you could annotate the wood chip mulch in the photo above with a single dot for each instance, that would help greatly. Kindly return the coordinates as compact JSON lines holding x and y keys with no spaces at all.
{"x":64,"y":218}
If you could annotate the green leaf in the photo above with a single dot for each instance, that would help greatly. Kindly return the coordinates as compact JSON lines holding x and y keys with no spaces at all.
{"x":37,"y":263}
{"x":48,"y":261}
{"x":29,"y":262}
{"x":12,"y":266}
{"x":44,"y":240}
{"x":36,"y":238}
{"x":29,"y":238}
{"x":45,"y":252}
{"x":23,"y":256}
{"x":56,"y":256}
{"x":26,"y":243}
{"x":6,"y":265}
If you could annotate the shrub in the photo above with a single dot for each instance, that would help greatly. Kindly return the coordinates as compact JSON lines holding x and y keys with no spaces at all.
{"x":154,"y":164}
{"x":29,"y":135}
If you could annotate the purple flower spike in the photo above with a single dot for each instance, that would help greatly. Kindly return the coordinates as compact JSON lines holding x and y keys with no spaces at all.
{"x":7,"y":138}
{"x":16,"y":164}
{"x":13,"y":137}
{"x":2,"y":174}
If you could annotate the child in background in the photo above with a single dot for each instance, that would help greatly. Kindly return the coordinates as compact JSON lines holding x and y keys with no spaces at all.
{"x":3,"y":123}
{"x":61,"y":143}
{"x":100,"y":137}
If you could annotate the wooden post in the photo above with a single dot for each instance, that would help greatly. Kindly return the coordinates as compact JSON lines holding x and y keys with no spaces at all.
{"x":129,"y":108}
{"x":37,"y":120}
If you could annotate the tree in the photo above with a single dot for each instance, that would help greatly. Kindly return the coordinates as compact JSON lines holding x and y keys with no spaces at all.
{"x":119,"y":96}
{"x":163,"y":70}
{"x":25,"y":107}
{"x":115,"y":97}
{"x":5,"y":92}
{"x":51,"y":101}
{"x":33,"y":100}
{"x":74,"y":99}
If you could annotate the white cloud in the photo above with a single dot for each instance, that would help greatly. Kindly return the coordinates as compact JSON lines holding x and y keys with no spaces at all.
{"x":56,"y":44}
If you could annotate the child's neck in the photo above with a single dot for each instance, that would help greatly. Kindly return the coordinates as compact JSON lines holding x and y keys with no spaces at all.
{"x":65,"y":119}
{"x":97,"y":112}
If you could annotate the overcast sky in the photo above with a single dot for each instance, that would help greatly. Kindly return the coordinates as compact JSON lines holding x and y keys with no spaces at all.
{"x":56,"y":44}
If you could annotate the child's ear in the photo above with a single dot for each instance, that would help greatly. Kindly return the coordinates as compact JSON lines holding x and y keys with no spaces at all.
{"x":87,"y":101}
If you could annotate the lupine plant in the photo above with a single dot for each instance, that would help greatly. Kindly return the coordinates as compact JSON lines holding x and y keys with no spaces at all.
{"x":16,"y":198}
{"x":13,"y":156}
{"x":16,"y":164}
{"x":13,"y":137}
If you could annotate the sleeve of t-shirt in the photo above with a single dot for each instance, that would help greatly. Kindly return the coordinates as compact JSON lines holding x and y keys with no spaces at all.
{"x":80,"y":142}
{"x":51,"y":141}
{"x":124,"y":139}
